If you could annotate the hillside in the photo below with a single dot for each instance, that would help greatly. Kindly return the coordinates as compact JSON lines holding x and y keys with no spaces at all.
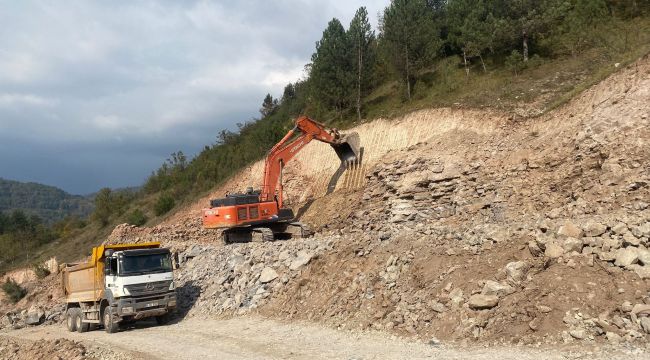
{"x":48,"y":202}
{"x":462,"y":225}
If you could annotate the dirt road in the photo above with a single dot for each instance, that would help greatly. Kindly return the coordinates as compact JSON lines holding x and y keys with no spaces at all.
{"x":257,"y":338}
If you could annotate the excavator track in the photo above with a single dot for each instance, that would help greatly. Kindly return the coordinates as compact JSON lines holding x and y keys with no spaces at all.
{"x":242,"y":235}
{"x":298,"y":230}
{"x":262,"y":234}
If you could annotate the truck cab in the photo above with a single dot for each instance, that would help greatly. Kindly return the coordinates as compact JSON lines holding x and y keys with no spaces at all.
{"x":120,"y":284}
{"x":140,"y":283}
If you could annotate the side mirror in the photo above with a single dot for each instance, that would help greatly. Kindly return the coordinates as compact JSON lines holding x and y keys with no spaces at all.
{"x":110,"y":267}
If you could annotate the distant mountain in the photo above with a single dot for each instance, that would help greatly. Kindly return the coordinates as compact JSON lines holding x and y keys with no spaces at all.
{"x":48,"y":202}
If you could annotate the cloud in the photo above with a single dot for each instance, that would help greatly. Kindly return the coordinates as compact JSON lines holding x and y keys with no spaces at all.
{"x":141,"y":79}
{"x":18,"y":100}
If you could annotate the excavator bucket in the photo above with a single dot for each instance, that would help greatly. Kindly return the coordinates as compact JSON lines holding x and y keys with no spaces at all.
{"x":348,"y":149}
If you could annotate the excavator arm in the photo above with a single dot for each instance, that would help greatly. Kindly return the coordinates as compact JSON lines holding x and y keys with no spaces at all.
{"x":347,"y":148}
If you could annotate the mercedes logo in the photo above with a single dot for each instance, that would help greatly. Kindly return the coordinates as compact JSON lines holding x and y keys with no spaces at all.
{"x":149,"y":287}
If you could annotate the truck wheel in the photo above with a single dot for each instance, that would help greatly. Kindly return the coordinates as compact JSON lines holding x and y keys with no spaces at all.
{"x":163,"y":319}
{"x":110,"y":325}
{"x":71,"y":319}
{"x":82,"y":327}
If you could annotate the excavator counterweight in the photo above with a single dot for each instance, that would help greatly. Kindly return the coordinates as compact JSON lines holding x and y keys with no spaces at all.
{"x":260,"y":215}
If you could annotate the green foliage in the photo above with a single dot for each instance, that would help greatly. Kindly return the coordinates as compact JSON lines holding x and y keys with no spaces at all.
{"x":268,"y":105}
{"x":515,"y":61}
{"x":14,"y":291}
{"x":164,"y":203}
{"x":410,"y":38}
{"x":110,"y":203}
{"x":331,"y":75}
{"x":40,"y":271}
{"x":363,"y":51}
{"x":20,"y":235}
{"x":137,"y":217}
{"x":49,"y":203}
{"x":68,"y":226}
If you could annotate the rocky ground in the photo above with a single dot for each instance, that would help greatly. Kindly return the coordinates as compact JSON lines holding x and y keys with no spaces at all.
{"x":490,"y":230}
{"x":59,"y":349}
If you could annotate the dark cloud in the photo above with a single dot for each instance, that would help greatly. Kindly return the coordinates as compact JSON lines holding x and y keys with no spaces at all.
{"x":96,"y":94}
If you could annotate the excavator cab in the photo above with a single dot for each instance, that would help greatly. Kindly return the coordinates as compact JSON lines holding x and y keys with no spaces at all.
{"x":348,"y":148}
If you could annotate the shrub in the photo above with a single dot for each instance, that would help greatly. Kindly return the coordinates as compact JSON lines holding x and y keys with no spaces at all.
{"x":136,"y":217}
{"x":14,"y":291}
{"x":515,"y":62}
{"x":40,"y":271}
{"x":164,"y":204}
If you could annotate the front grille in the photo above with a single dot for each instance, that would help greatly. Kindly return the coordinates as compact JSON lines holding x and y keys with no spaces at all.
{"x":148,"y":288}
{"x":149,"y":299}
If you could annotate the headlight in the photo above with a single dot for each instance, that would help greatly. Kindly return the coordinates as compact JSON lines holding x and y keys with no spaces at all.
{"x":172,"y":286}
{"x":127,"y":310}
{"x":126,"y":292}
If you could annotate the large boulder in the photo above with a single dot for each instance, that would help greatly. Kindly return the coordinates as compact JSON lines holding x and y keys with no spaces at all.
{"x":644,"y":256}
{"x":572,"y":244}
{"x":626,"y":256}
{"x":35,"y":315}
{"x":642,"y":230}
{"x":570,"y":230}
{"x":480,"y":301}
{"x":553,"y":250}
{"x":593,"y":228}
{"x":516,"y":271}
{"x":268,"y":275}
{"x":495,"y":288}
{"x":302,"y":258}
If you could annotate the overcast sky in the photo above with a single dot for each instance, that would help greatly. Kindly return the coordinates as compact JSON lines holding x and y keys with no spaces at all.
{"x":97,"y":94}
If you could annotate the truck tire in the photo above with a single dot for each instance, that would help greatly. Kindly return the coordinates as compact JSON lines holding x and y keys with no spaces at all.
{"x":82,"y":327}
{"x":110,"y":325}
{"x":71,"y":319}
{"x":163,"y":319}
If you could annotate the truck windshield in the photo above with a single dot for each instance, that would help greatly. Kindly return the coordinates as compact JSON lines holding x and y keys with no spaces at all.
{"x":145,"y":264}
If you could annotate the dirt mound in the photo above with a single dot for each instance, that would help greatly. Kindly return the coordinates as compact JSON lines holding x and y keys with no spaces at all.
{"x":42,"y":349}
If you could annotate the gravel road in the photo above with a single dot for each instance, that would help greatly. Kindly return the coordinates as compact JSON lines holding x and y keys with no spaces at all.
{"x":258,"y":338}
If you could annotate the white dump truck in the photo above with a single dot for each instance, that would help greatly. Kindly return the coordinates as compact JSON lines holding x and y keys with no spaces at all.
{"x":119,"y":284}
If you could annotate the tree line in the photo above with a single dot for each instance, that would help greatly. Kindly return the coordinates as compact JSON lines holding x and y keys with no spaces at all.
{"x":22,"y":234}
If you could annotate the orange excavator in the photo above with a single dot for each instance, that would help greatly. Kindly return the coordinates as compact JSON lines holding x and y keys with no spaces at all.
{"x":261,"y":215}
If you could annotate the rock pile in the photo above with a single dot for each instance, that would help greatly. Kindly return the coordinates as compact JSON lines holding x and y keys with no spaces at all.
{"x":241,"y":277}
{"x":35,"y":315}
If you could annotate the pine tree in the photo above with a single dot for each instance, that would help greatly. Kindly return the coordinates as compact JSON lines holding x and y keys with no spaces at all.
{"x":268,"y":105}
{"x":331,"y":75}
{"x":410,"y":37}
{"x":361,"y":39}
